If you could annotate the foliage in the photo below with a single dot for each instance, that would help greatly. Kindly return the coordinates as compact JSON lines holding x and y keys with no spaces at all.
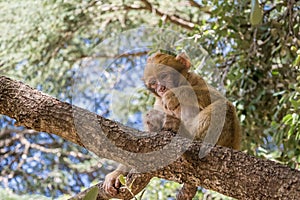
{"x":261,"y":75}
{"x":42,"y":42}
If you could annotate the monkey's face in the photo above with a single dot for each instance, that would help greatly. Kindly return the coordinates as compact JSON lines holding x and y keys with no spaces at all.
{"x":164,"y":72}
{"x":160,"y":78}
{"x":161,"y":82}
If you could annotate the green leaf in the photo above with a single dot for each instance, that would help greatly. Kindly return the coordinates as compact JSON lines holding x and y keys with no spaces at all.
{"x":297,"y":61}
{"x":92,"y":194}
{"x":296,"y":104}
{"x":288,"y":118}
{"x":275,"y":72}
{"x":256,"y":13}
{"x":160,"y":23}
{"x":293,"y":48}
{"x":122,"y":179}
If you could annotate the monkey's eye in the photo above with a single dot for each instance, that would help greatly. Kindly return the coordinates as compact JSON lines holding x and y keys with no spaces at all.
{"x":152,"y":82}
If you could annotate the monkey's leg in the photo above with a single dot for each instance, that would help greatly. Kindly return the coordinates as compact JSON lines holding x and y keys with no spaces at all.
{"x":153,"y":121}
{"x":187,"y":192}
{"x":231,"y":133}
{"x":217,"y":124}
{"x":210,"y":122}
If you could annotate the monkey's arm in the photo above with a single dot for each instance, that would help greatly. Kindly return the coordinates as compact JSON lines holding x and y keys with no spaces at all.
{"x":156,"y":120}
{"x":153,"y":121}
{"x":194,"y":98}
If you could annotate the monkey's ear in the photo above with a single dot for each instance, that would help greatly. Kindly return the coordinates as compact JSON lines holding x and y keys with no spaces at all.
{"x":184,"y":59}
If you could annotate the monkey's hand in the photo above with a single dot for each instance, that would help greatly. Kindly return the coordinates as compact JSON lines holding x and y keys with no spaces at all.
{"x":171,"y":103}
{"x":153,"y":120}
{"x":171,"y":123}
{"x":112,"y":183}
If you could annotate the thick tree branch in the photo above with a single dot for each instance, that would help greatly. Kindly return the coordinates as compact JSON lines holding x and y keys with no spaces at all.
{"x":221,"y":169}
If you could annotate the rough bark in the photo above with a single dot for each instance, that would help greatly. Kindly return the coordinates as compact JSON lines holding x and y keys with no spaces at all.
{"x":221,"y":169}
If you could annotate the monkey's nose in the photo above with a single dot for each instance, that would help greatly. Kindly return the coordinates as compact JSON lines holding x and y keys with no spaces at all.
{"x":162,"y":88}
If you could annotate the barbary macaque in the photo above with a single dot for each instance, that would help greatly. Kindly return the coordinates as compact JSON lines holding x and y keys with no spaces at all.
{"x":184,"y":103}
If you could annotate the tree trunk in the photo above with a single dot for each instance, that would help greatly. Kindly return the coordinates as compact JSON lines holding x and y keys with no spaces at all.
{"x":162,"y":154}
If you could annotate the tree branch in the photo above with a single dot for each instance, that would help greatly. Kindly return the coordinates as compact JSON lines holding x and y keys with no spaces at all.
{"x":148,"y":7}
{"x":200,"y":7}
{"x":161,"y":154}
{"x":176,"y":20}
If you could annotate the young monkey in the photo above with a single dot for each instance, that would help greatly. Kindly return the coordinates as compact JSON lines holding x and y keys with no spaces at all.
{"x":184,"y":99}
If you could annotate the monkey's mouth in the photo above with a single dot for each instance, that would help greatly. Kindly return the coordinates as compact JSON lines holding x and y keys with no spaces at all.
{"x":161,"y":90}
